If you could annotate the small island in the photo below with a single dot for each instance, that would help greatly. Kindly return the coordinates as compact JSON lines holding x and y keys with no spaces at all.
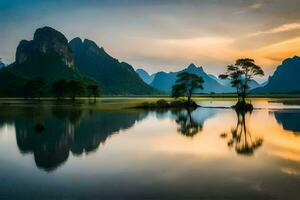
{"x":185,"y":86}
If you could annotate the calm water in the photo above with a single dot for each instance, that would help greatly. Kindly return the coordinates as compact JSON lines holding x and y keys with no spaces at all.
{"x":209,"y":153}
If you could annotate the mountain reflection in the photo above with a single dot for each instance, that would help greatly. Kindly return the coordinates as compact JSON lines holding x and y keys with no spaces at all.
{"x":289,"y":120}
{"x":66,"y":129}
{"x":72,"y":129}
{"x":240,"y":136}
{"x":81,"y":131}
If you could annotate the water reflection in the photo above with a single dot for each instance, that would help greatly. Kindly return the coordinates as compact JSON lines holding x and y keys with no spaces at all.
{"x":189,"y":121}
{"x":188,"y":126}
{"x":65,"y":129}
{"x":72,"y":129}
{"x":240,"y":136}
{"x":146,"y":155}
{"x":290,"y":120}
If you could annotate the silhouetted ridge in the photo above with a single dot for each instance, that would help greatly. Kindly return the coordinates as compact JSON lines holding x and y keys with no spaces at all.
{"x":115,"y":77}
{"x":285,"y":78}
{"x":45,"y":41}
{"x":192,"y":67}
{"x":48,"y":56}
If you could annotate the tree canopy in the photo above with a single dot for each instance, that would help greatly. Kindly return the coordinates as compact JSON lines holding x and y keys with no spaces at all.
{"x":186,"y":84}
{"x":240,"y":74}
{"x":35,"y":87}
{"x":76,"y":88}
{"x":72,"y":88}
{"x":60,"y":88}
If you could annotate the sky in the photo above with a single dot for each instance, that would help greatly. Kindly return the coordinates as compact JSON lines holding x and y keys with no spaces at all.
{"x":164,"y":35}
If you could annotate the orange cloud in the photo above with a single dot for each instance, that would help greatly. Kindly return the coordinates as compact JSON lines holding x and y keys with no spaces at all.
{"x":279,"y":29}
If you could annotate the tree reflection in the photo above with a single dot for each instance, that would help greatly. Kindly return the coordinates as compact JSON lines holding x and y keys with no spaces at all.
{"x":189,"y":121}
{"x":240,"y":137}
{"x":187,"y":125}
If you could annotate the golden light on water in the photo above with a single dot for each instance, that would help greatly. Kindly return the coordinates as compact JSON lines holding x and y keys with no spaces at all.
{"x":162,"y":139}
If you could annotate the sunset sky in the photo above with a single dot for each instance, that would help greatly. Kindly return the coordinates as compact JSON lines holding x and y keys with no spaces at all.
{"x":164,"y":34}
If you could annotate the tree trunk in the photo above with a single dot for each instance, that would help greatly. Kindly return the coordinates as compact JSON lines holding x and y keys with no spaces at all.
{"x":238,"y":94}
{"x":189,"y":99}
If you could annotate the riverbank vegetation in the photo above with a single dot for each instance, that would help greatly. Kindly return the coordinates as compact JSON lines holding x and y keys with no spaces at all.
{"x":61,"y":89}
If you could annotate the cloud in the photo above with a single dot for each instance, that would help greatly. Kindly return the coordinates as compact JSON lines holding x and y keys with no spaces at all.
{"x":256,"y":6}
{"x":279,"y":29}
{"x":281,"y":50}
{"x":158,"y":33}
{"x":201,"y":48}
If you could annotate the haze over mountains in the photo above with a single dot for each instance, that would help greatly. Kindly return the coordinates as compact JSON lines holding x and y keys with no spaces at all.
{"x":163,"y":81}
{"x":284,"y":80}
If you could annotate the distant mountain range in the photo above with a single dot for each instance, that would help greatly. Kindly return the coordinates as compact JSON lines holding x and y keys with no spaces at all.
{"x":163,"y":81}
{"x":226,"y":82}
{"x":145,"y":76}
{"x":285,"y":78}
{"x":49,"y":55}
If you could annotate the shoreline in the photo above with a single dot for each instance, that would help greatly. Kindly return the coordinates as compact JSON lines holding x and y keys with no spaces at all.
{"x":118,"y":103}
